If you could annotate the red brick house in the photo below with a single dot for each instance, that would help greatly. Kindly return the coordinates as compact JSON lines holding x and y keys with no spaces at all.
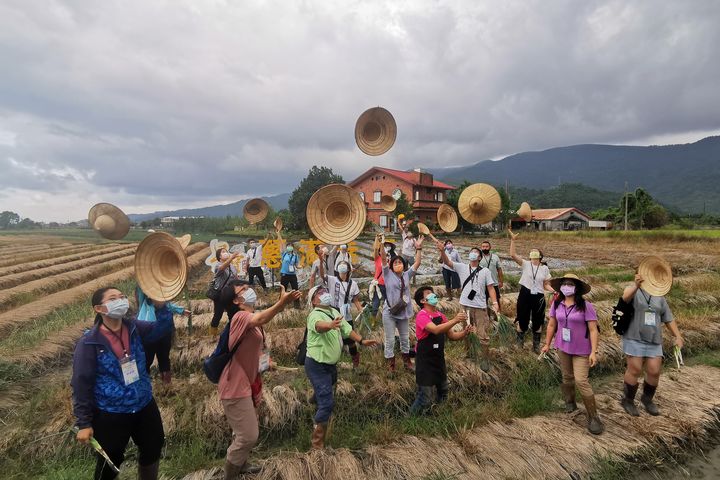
{"x":424,"y":192}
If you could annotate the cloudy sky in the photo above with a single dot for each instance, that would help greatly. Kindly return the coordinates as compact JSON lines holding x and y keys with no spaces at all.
{"x":155,"y":104}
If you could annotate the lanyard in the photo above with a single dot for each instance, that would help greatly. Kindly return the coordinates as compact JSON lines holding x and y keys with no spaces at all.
{"x":647,"y":299}
{"x":254,"y":256}
{"x":489,"y":260}
{"x":567,"y":312}
{"x":118,"y":337}
{"x":534,"y":273}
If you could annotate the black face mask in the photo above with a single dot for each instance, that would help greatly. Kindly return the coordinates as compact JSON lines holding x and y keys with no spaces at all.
{"x":486,"y":252}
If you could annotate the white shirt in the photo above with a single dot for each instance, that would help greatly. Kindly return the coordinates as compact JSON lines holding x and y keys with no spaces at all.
{"x":342,"y":257}
{"x":254,"y":256}
{"x":480,"y":281}
{"x":408,"y":246}
{"x":454,"y":257}
{"x":315,"y":273}
{"x":533,"y":277}
{"x":339,"y":290}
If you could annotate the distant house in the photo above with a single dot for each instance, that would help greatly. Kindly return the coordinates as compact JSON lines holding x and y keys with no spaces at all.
{"x":556,"y":219}
{"x":600,"y":225}
{"x":167,"y":221}
{"x":424,"y":193}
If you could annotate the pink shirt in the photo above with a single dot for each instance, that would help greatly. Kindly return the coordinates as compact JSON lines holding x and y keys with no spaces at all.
{"x":242,"y":370}
{"x":114,"y":340}
{"x":576,"y":322}
{"x":378,"y":271}
{"x":422,"y":318}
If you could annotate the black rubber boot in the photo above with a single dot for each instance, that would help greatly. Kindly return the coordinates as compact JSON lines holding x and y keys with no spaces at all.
{"x":628,"y":400}
{"x":647,"y":399}
{"x":519,"y":339}
{"x":536,"y":342}
{"x":149,"y":472}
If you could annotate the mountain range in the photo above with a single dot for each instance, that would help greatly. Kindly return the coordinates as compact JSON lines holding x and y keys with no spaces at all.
{"x":683,"y":177}
{"x":235,"y":209}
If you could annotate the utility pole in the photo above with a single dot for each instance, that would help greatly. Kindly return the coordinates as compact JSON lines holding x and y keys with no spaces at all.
{"x":626,"y":205}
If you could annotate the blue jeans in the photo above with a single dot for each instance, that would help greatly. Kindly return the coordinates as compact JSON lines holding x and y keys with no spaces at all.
{"x":323,"y":377}
{"x":423,"y":398}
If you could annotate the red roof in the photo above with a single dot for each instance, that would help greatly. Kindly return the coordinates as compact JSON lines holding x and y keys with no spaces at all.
{"x":410,"y":177}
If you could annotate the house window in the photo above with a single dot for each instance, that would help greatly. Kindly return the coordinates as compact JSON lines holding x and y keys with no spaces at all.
{"x":417,"y":194}
{"x":440,"y":197}
{"x":383,"y":221}
{"x":377,"y":194}
{"x":362,"y":196}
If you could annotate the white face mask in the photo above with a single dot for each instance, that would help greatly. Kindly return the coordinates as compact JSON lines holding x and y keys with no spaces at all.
{"x":342,"y":268}
{"x":325,"y":299}
{"x":388,"y":249}
{"x":224,"y":255}
{"x":116,"y":309}
{"x":250,"y":297}
{"x":473,"y":256}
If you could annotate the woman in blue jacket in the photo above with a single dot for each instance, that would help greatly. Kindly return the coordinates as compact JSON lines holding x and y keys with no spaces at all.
{"x":112,"y":392}
{"x":159,"y":342}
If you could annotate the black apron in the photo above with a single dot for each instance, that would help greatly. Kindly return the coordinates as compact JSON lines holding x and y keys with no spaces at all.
{"x":430,"y":367}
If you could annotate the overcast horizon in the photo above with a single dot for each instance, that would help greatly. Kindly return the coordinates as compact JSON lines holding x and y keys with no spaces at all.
{"x":167,"y":105}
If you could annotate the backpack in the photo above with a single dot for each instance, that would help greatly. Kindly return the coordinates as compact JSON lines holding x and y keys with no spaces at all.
{"x":622,"y":315}
{"x":215,"y":364}
{"x":301,"y":350}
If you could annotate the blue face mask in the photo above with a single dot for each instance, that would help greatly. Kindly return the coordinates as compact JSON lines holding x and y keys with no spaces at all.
{"x":473,"y":256}
{"x":290,"y":249}
{"x":116,"y":309}
{"x":342,"y":268}
{"x":432,"y":299}
{"x":325,"y":299}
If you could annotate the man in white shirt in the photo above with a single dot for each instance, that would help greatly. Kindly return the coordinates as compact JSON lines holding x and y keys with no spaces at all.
{"x":474,"y":282}
{"x":408,"y":245}
{"x":253,"y":261}
{"x":342,"y":256}
{"x":491,"y":261}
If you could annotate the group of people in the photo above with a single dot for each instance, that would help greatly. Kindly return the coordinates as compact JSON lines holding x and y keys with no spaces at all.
{"x":112,"y":390}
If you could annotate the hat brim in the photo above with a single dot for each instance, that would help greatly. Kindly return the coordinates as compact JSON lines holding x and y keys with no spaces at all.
{"x":161,"y":266}
{"x":479,"y":203}
{"x":256,"y":210}
{"x":336,"y":214}
{"x":121,"y":221}
{"x":584,"y":287}
{"x":384,"y":134}
{"x":447,"y":218}
{"x":657,"y":276}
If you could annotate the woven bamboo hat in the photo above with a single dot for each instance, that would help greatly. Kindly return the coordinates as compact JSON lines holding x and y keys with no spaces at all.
{"x":336,"y":214}
{"x":582,"y":287}
{"x":255,"y":210}
{"x":388,"y":203}
{"x":161,"y":266}
{"x":479,"y":203}
{"x":657,"y":275}
{"x":375,"y":131}
{"x":109,"y":221}
{"x":422,"y":228}
{"x":447,"y":218}
{"x":278,"y":224}
{"x":525,"y":212}
{"x":184,"y":240}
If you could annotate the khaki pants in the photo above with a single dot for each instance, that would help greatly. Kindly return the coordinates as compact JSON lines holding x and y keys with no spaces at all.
{"x":481,"y":321}
{"x":575,"y":370}
{"x":240,"y":413}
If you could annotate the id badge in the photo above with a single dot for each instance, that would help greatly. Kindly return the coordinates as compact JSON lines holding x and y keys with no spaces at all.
{"x":129,"y":370}
{"x":566,"y":334}
{"x":291,"y":268}
{"x":534,"y":290}
{"x":436,"y":345}
{"x":650,"y":318}
{"x":264,"y":365}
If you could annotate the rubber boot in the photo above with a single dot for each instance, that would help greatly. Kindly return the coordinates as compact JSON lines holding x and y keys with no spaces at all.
{"x":536,"y":342}
{"x":568,"y":392}
{"x":356,"y":360}
{"x":391,"y":364}
{"x":149,"y":472}
{"x":166,"y":377}
{"x":318,"y":436}
{"x":647,"y":399}
{"x":232,"y":471}
{"x":595,"y":426}
{"x":213,"y":331}
{"x":408,"y":362}
{"x":485,"y":359}
{"x":449,"y":294}
{"x":519,"y":339}
{"x":628,"y":401}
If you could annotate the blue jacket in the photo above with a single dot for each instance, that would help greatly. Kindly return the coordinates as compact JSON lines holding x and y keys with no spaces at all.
{"x":163,"y":317}
{"x":97,"y":379}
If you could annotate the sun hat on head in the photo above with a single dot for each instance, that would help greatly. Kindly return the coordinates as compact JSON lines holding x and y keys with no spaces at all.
{"x":583,"y":287}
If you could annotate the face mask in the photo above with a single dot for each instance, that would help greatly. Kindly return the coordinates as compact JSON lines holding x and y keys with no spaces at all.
{"x":253,"y":245}
{"x":290,"y":249}
{"x":343,"y":247}
{"x":388,"y":249}
{"x":398,"y":267}
{"x":431,"y":299}
{"x":250,"y":297}
{"x":473,"y":256}
{"x":224,"y":255}
{"x":567,"y":290}
{"x":486,"y":252}
{"x":116,"y":309}
{"x":325,"y":299}
{"x":342,"y":268}
{"x":448,"y":246}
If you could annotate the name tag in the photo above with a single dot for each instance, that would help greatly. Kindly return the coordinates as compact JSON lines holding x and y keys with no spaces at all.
{"x":264,"y":365}
{"x":566,"y":334}
{"x":129,"y":370}
{"x":650,"y":318}
{"x":436,"y":345}
{"x":534,"y":291}
{"x":291,"y":268}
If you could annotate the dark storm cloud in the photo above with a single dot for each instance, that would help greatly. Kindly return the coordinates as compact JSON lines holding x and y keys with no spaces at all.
{"x":191,"y":102}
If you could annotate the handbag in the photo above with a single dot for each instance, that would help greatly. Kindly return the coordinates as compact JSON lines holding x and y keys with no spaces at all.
{"x":214,"y":293}
{"x":401,"y":304}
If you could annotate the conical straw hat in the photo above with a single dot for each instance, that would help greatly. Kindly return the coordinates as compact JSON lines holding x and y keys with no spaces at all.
{"x":336,"y":214}
{"x":375,"y":131}
{"x":256,"y":210}
{"x":657,"y":276}
{"x":525,"y":212}
{"x":388,"y":203}
{"x":557,"y":282}
{"x":184,"y":240}
{"x":422,"y":228}
{"x":278,"y":223}
{"x":109,"y":221}
{"x":479,"y":203}
{"x":447,"y":218}
{"x":161,"y":266}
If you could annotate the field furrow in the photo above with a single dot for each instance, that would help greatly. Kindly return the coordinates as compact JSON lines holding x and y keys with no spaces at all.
{"x":46,"y":254}
{"x":35,"y":264}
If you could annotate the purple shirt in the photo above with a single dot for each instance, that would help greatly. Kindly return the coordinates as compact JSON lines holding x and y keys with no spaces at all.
{"x":576,"y":320}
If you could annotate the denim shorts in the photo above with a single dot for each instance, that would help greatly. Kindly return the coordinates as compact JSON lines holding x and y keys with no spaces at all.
{"x":637,"y":348}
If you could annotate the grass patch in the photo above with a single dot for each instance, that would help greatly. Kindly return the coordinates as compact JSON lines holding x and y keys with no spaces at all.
{"x":11,"y":373}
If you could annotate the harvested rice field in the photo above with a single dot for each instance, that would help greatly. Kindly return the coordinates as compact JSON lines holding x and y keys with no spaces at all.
{"x":502,"y":424}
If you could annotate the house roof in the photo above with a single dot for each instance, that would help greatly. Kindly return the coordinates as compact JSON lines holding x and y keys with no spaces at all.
{"x":410,"y":177}
{"x":554,"y":213}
